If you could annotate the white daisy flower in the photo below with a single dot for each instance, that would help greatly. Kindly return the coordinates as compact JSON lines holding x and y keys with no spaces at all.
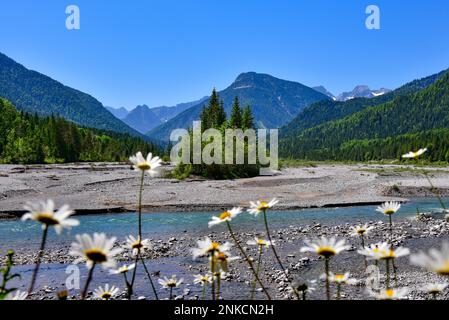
{"x":391,"y":294}
{"x":387,"y":253}
{"x":167,"y":283}
{"x":340,"y":278}
{"x":207,"y":247}
{"x":259,"y":206}
{"x":44,"y":212}
{"x":223,"y":259}
{"x":260,"y":243}
{"x":225,"y":217}
{"x":325,"y":247}
{"x":414,"y":155}
{"x":361,"y":231}
{"x":307,"y":286}
{"x":136,"y":246}
{"x":373,"y":251}
{"x":95,"y":250}
{"x":150,"y":164}
{"x":17,"y":295}
{"x":435,"y":288}
{"x":436,"y":261}
{"x":123,"y":269}
{"x":106,"y":293}
{"x":389,"y":208}
{"x":203,"y":280}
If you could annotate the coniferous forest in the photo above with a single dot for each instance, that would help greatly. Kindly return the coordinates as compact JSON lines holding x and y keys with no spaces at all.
{"x":29,"y":139}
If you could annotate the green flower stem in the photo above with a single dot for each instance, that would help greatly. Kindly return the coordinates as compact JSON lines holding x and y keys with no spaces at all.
{"x":204,"y":292}
{"x":304,"y":295}
{"x":38,"y":260}
{"x":391,"y":228}
{"x":275,"y":252}
{"x":218,"y":285}
{"x":133,"y":279}
{"x":248,"y":260}
{"x":150,"y":278}
{"x":338,"y":291}
{"x":171,"y":293}
{"x":387,"y":262}
{"x":435,"y":191}
{"x":259,"y":262}
{"x":326,"y":272}
{"x":89,"y":279}
{"x":140,"y":204}
{"x":128,"y":286}
{"x":212,"y":270}
{"x":362,"y":238}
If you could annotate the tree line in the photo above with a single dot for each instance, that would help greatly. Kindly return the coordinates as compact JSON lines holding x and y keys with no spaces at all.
{"x":29,"y":139}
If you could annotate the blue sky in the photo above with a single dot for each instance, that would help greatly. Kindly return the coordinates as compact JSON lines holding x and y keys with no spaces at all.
{"x":162,"y":52}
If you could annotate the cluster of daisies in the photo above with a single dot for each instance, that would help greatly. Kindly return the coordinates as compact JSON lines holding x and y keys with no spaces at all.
{"x":98,"y":250}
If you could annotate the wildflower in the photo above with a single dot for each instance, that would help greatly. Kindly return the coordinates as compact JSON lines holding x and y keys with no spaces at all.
{"x":137,"y":246}
{"x":223,"y":260}
{"x":435,"y":288}
{"x":361,"y":231}
{"x":373,"y":251}
{"x":261,"y":243}
{"x":203,"y":280}
{"x":325,"y":247}
{"x":150,"y":164}
{"x":17,"y":295}
{"x":260,"y":206}
{"x":341,"y":278}
{"x":414,"y":155}
{"x":303,"y":287}
{"x":225,"y":216}
{"x":387,"y":253}
{"x":389,"y":208}
{"x":95,"y":250}
{"x":44,"y":212}
{"x":436,"y":261}
{"x":391,"y":294}
{"x":170,"y":284}
{"x":123,"y":269}
{"x":106,"y":293}
{"x":207,"y":247}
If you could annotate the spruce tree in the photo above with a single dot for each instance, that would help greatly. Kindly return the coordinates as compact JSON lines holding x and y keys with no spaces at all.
{"x":236,"y":115}
{"x":247,"y":118}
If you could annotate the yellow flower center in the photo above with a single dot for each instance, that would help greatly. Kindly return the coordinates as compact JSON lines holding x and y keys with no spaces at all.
{"x":222,"y":257}
{"x":225,"y":215}
{"x":137,"y":245}
{"x":106,"y":295}
{"x":47,"y":218}
{"x":214,"y":247}
{"x":261,"y":242}
{"x":339,"y":277}
{"x":144,"y":166}
{"x":171,"y":284}
{"x":444,"y":271}
{"x":387,"y":255}
{"x":389,"y":212}
{"x":389,"y":293}
{"x":361,"y":231}
{"x":326,"y":252}
{"x":96,"y":255}
{"x":263,"y":205}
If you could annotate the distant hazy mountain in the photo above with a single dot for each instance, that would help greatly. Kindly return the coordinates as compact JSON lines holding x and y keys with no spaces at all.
{"x":119,"y":113}
{"x":274,"y":102}
{"x":362,"y":91}
{"x":143,"y":118}
{"x":34,"y":92}
{"x":324,"y":91}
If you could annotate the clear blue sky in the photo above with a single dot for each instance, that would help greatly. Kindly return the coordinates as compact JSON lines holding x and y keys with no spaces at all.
{"x":161,"y":52}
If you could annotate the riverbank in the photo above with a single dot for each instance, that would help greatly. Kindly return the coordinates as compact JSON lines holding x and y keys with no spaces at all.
{"x":111,"y":187}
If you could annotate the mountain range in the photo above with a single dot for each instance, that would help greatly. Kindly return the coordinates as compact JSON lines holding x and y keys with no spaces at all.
{"x":34,"y":92}
{"x":274,"y":102}
{"x":352,"y":130}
